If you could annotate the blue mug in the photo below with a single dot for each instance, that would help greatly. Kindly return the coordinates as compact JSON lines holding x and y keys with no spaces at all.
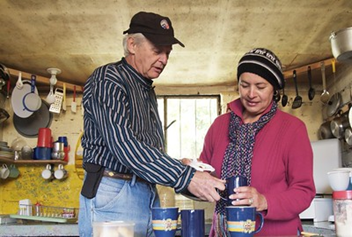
{"x":241,"y":221}
{"x":192,"y":223}
{"x":232,"y":183}
{"x":164,"y":221}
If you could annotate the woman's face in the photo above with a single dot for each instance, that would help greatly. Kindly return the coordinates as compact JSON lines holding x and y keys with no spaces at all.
{"x":256,"y":94}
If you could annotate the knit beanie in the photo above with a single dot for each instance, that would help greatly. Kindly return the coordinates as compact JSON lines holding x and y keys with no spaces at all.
{"x":264,"y":63}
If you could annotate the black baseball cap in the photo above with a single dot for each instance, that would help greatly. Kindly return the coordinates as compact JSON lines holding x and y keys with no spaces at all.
{"x":158,"y":29}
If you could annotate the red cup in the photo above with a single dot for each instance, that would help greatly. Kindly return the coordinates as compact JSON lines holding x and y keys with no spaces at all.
{"x":44,"y":137}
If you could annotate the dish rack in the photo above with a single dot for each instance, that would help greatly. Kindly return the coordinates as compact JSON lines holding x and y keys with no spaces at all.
{"x":47,"y":213}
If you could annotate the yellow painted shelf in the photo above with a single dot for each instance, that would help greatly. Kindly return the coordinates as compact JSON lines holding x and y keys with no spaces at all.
{"x":31,"y":162}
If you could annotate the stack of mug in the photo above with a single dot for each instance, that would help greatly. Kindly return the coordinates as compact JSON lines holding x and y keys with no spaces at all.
{"x":47,"y":149}
{"x":44,"y":144}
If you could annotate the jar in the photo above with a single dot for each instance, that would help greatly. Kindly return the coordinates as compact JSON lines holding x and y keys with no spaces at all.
{"x":342,"y":202}
{"x":166,"y":196}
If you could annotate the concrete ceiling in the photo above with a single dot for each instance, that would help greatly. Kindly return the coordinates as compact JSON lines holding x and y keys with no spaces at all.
{"x":78,"y":36}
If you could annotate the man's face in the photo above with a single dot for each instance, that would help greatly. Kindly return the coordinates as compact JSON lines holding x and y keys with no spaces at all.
{"x":148,"y":59}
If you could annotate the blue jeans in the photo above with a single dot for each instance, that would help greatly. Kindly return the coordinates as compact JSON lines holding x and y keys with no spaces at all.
{"x":119,"y":200}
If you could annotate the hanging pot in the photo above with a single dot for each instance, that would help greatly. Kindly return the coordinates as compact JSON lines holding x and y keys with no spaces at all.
{"x":334,"y":104}
{"x":348,"y":136}
{"x":29,"y":127}
{"x":325,"y":131}
{"x":338,"y":126}
{"x":341,"y":44}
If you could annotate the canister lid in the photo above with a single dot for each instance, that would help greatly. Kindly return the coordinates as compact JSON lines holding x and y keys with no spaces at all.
{"x":342,"y":194}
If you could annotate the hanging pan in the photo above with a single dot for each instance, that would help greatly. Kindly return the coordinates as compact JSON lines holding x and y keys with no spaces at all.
{"x":29,"y":127}
{"x":334,"y":104}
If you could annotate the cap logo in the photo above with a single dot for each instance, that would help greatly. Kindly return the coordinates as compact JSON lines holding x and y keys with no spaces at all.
{"x":164,"y":24}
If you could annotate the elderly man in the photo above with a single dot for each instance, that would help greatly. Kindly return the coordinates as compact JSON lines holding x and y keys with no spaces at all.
{"x":124,"y":153}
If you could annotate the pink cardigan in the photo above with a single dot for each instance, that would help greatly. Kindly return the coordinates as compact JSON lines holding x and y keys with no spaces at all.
{"x":282,"y":167}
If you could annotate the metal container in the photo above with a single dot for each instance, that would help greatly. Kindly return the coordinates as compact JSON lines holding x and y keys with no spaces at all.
{"x":341,"y":44}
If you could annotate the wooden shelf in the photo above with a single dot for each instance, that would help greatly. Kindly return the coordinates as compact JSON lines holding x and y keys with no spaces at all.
{"x":31,"y":162}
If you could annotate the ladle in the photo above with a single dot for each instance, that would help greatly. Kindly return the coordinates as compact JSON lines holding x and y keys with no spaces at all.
{"x":325,"y":96}
{"x":19,"y":83}
{"x":311,"y":91}
{"x":297,"y":102}
{"x":284,"y":98}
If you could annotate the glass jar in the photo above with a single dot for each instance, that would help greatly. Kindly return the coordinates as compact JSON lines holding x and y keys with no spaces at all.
{"x":342,"y":202}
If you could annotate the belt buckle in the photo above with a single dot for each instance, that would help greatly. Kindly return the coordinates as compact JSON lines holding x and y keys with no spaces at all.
{"x":111,"y":173}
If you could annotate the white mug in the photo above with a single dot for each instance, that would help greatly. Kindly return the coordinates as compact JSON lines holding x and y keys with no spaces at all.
{"x":60,"y":173}
{"x":47,"y":173}
{"x":4,"y":172}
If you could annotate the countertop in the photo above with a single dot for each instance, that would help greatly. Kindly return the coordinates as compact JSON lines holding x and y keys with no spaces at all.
{"x":51,"y":229}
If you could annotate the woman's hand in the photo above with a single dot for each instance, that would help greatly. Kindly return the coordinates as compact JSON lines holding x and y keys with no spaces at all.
{"x":247,"y":195}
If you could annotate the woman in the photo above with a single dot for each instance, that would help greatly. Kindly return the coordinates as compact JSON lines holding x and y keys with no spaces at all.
{"x":270,"y":147}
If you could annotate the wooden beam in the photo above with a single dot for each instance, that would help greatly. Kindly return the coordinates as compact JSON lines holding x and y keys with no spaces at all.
{"x":45,"y":80}
{"x":303,"y":69}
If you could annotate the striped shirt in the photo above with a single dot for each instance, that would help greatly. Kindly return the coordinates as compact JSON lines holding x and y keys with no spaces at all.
{"x":122,"y":128}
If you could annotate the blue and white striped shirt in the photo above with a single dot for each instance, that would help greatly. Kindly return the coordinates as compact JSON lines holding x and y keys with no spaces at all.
{"x":122,"y":128}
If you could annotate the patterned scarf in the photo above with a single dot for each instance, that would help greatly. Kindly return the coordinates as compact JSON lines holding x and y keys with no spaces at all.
{"x":238,"y":158}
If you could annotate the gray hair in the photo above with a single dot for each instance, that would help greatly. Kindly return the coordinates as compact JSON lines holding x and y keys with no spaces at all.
{"x":138,"y":39}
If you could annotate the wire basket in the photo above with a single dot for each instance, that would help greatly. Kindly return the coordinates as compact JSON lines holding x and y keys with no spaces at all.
{"x":48,"y":211}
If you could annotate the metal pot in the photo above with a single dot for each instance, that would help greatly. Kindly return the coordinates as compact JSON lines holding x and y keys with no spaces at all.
{"x":348,"y":136}
{"x":338,"y":126}
{"x":341,"y":44}
{"x":325,"y":131}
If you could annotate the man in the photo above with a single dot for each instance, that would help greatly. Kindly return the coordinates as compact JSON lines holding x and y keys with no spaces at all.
{"x":123,"y":140}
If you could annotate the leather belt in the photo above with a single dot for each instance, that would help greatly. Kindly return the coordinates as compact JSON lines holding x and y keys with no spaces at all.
{"x":116,"y":175}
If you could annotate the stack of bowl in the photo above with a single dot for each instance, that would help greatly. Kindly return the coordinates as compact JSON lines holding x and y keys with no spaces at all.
{"x":340,"y":179}
{"x":5,"y":150}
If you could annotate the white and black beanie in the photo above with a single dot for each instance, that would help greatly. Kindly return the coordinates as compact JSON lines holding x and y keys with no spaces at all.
{"x":264,"y":63}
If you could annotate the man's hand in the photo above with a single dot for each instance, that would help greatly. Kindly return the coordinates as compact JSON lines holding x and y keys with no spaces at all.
{"x":204,"y":185}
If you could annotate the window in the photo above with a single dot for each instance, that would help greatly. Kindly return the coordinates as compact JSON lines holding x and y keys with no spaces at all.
{"x":188,"y":118}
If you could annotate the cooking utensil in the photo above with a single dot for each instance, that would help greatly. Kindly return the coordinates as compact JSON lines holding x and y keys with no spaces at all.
{"x":334,"y":104}
{"x":325,"y":96}
{"x":325,"y":131}
{"x":50,"y":98}
{"x":29,"y":126}
{"x":64,"y":97}
{"x":31,"y":101}
{"x":348,"y":136}
{"x":8,"y":102}
{"x":74,"y":104}
{"x":297,"y":102}
{"x":311,"y":91}
{"x":17,"y":100}
{"x":19,"y":83}
{"x":284,"y":97}
{"x":338,"y":125}
{"x":56,"y":106}
{"x":341,"y":44}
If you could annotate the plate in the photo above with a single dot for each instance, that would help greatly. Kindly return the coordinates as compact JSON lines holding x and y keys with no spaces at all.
{"x":45,"y":219}
{"x":17,"y":99}
{"x":200,"y":166}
